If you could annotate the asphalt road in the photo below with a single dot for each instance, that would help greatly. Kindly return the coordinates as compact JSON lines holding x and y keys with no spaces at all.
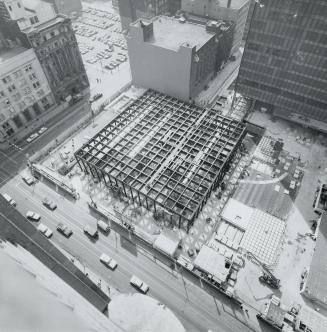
{"x":12,"y":160}
{"x":197,"y":309}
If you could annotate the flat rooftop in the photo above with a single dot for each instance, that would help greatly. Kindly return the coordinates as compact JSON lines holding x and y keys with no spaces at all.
{"x":235,"y":4}
{"x":170,"y":33}
{"x":59,"y":18}
{"x":8,"y":54}
{"x":163,"y":152}
{"x":316,"y":285}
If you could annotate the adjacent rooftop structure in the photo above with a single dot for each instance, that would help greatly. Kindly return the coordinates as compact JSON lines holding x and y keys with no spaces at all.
{"x":171,"y":33}
{"x":164,"y":154}
{"x":315,"y":286}
{"x":182,"y":56}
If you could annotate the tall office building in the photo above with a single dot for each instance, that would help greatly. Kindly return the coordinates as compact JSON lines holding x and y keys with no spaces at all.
{"x":284,"y":66}
{"x":131,"y":10}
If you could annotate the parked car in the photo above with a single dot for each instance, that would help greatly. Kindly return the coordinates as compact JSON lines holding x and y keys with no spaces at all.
{"x":190,"y":252}
{"x":110,"y":262}
{"x":45,"y":230}
{"x":9,"y":200}
{"x":32,"y":137}
{"x":95,"y":97}
{"x":64,"y":230}
{"x":103,"y":226}
{"x":49,"y":204}
{"x":28,"y":180}
{"x":33,"y":216}
{"x":139,"y":284}
{"x":42,"y":130}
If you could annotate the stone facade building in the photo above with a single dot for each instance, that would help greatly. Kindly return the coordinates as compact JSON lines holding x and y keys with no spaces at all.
{"x":56,"y":47}
{"x":53,"y":40}
{"x":24,"y":90}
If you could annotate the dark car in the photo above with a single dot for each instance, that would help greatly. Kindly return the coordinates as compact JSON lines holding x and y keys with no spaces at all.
{"x":64,"y":230}
{"x":49,"y":204}
{"x":95,"y":97}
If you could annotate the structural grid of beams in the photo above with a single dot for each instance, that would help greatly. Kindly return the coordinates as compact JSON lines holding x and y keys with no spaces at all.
{"x":164,"y":154}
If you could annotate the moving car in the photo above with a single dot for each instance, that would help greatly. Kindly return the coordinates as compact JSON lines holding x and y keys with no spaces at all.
{"x":32,"y":137}
{"x":110,"y":262}
{"x":28,"y":180}
{"x":33,"y":216}
{"x":139,"y":284}
{"x":9,"y":200}
{"x":45,"y":230}
{"x":103,"y":226}
{"x":90,"y":231}
{"x":64,"y":230}
{"x":42,"y":130}
{"x":49,"y":204}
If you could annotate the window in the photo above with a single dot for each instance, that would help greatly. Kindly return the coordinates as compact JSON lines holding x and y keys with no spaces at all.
{"x":2,"y":94}
{"x":32,"y":76}
{"x":52,"y":34}
{"x":18,"y":5}
{"x":36,"y":84}
{"x":10,"y":8}
{"x":11,"y":88}
{"x":6,"y":79}
{"x":36,"y":19}
{"x":17,"y":120}
{"x":32,"y":20}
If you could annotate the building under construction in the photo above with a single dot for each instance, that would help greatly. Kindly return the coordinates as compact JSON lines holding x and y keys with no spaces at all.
{"x":165,"y":154}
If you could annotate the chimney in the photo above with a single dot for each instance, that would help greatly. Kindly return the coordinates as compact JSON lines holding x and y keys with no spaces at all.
{"x":229,"y":2}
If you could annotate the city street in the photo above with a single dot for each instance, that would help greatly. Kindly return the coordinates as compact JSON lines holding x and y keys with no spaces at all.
{"x":196,"y":308}
{"x":12,"y":160}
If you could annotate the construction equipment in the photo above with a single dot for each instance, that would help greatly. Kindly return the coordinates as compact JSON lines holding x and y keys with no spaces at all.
{"x":267,"y":277}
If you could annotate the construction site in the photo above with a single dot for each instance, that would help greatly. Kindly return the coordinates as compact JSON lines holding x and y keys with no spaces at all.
{"x":164,"y":154}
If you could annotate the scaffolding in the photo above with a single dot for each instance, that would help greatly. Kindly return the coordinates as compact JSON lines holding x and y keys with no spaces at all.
{"x":165,"y":154}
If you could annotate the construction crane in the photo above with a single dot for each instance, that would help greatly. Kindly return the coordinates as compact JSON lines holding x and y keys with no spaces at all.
{"x":267,"y":277}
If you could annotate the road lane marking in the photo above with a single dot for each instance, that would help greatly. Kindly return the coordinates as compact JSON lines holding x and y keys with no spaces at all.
{"x":9,"y":158}
{"x":123,"y":258}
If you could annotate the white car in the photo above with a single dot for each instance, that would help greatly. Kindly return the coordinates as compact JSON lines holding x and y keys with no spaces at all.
{"x":42,"y":130}
{"x":138,"y":283}
{"x":33,"y":216}
{"x":28,"y":180}
{"x":32,"y":137}
{"x":9,"y":200}
{"x":110,"y":262}
{"x":45,"y":230}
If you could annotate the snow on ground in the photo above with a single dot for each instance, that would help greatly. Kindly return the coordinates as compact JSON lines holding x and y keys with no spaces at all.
{"x":33,"y":298}
{"x":139,"y":313}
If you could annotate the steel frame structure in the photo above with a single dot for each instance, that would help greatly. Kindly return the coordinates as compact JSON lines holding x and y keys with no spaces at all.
{"x":164,"y":154}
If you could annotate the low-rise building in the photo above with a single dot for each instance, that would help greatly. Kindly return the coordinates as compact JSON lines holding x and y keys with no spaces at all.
{"x":176,"y":57}
{"x":228,"y":10}
{"x":24,"y":90}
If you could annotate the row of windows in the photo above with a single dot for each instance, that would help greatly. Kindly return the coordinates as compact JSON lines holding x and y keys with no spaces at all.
{"x":34,"y":20}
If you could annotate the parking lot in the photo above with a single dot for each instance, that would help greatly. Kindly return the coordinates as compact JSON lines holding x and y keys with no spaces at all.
{"x":100,"y":38}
